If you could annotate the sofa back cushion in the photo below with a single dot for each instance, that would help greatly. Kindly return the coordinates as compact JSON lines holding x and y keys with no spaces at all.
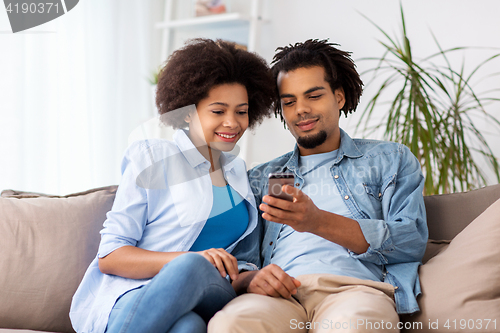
{"x":47,"y":244}
{"x":448,"y":214}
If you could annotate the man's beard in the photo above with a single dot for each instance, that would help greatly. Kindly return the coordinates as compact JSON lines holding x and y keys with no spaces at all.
{"x":312,"y":141}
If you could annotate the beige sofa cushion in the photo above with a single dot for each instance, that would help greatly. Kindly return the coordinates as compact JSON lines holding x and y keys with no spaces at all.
{"x":47,"y":244}
{"x":448,"y":214}
{"x":461,"y":284}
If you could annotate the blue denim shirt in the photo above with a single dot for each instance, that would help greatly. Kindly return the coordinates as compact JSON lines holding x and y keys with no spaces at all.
{"x":381,"y":183}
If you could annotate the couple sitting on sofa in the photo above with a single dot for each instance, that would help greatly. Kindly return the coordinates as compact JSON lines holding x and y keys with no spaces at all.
{"x":185,"y":235}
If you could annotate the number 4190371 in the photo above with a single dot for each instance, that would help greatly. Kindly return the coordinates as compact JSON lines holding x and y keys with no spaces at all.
{"x":32,"y":8}
{"x":471,"y":324}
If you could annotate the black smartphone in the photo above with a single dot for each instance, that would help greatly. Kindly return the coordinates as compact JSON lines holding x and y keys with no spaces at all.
{"x":277,"y":180}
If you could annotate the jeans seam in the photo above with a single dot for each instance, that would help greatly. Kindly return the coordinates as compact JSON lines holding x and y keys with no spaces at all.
{"x":132,"y":312}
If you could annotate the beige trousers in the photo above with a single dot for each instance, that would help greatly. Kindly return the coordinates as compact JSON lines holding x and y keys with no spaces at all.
{"x":323,"y":303}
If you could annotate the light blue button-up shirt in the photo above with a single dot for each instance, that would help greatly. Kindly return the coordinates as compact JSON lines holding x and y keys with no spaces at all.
{"x":381,"y":183}
{"x":163,"y":201}
{"x":300,"y":253}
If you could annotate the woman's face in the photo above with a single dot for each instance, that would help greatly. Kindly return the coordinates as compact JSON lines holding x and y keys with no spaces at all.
{"x":221,"y":118}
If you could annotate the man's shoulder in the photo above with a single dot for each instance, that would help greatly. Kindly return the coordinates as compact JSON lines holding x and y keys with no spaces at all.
{"x":374,"y":147}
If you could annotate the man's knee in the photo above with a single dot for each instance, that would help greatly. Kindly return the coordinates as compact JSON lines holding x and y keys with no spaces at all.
{"x":223,"y":322}
{"x":257,"y":314}
{"x":227,"y":321}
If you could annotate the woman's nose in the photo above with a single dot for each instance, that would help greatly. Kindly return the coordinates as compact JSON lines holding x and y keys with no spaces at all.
{"x":230,"y":121}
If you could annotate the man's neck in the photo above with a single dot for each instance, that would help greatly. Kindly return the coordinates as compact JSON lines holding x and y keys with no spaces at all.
{"x":325,"y":147}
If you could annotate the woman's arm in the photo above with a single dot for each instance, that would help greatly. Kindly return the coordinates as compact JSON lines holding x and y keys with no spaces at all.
{"x":136,"y":263}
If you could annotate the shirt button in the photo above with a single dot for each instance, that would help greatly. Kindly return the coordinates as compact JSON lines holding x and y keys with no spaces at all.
{"x":379,"y":195}
{"x":346,"y":197}
{"x":297,"y":184}
{"x":336,"y":176}
{"x":271,"y":243}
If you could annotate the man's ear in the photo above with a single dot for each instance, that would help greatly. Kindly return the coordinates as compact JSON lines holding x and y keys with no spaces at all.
{"x":340,"y":97}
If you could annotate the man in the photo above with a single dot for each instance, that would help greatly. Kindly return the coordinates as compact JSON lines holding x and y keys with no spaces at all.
{"x":344,"y":255}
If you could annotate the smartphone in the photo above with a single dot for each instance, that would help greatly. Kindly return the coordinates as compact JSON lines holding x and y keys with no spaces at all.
{"x":277,"y":180}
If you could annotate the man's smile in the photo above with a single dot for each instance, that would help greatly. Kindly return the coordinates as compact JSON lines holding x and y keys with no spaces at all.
{"x":306,"y":125}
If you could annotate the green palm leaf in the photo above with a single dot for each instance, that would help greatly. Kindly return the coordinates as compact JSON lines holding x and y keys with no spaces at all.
{"x":431,"y":111}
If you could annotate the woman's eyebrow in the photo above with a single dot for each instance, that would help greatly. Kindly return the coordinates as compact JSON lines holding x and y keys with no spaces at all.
{"x":218,"y":103}
{"x":225,"y":104}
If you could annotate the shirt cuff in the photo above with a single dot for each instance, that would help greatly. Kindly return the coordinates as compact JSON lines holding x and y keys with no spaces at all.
{"x":110,"y":243}
{"x":378,"y":237}
{"x":246,"y":266}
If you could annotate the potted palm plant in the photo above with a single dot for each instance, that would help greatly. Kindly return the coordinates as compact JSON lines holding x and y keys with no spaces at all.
{"x":432,"y":109}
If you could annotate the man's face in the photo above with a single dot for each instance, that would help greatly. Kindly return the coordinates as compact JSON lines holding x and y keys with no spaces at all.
{"x":311,"y":110}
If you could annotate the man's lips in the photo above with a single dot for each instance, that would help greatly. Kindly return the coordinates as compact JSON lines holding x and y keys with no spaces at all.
{"x":306,"y":125}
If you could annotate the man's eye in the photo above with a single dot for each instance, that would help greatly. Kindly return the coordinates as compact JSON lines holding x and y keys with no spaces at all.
{"x":288,"y":103}
{"x":315,"y":96}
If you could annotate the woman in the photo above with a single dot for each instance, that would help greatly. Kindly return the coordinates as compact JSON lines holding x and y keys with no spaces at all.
{"x":184,"y":208}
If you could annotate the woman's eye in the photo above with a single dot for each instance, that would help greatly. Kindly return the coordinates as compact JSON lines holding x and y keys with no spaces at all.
{"x":217,"y":112}
{"x":242,"y":112}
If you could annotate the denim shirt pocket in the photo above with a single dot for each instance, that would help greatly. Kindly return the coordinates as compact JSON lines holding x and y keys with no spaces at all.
{"x":376,"y":193}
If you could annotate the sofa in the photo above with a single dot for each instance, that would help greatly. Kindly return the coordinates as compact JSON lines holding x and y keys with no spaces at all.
{"x":48,"y":241}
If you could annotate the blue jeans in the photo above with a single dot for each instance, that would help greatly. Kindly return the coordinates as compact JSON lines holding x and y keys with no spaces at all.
{"x":182,"y":297}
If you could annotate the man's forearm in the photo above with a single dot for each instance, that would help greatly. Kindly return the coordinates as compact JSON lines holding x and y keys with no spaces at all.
{"x":341,"y":230}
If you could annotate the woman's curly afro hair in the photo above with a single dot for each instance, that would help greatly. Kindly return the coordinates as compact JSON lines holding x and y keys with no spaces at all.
{"x":202,"y":64}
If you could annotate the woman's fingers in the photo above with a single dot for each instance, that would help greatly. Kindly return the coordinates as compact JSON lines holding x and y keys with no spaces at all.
{"x":223,"y":261}
{"x":230,"y":263}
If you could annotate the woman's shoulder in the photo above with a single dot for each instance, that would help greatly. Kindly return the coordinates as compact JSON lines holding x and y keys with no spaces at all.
{"x":144,"y":153}
{"x":152,"y":146}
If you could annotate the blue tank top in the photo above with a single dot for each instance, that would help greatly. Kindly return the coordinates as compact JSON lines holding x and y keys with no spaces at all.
{"x":227,"y":221}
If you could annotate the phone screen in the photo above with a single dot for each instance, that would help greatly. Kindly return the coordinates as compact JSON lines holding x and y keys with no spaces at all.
{"x":277,"y":180}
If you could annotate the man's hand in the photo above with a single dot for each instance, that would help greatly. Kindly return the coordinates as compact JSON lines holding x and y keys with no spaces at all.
{"x":304,"y":216}
{"x":223,"y":261}
{"x":273,"y":281}
{"x":301,"y":214}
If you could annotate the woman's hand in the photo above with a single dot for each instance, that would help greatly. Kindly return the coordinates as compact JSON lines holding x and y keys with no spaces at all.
{"x":223,"y":261}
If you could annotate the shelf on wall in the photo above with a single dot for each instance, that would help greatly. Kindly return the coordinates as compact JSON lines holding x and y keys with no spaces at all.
{"x":203,"y":20}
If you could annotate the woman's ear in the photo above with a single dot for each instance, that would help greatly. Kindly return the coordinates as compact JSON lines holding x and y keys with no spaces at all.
{"x":187,"y":119}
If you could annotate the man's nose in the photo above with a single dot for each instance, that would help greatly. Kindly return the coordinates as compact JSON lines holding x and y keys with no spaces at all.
{"x":302,"y":107}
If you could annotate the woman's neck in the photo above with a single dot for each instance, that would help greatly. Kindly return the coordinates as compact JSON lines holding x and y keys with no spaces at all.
{"x":211,"y":155}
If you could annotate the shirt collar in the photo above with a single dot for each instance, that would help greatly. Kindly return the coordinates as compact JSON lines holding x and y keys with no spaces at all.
{"x":347,"y":148}
{"x":193,"y":155}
